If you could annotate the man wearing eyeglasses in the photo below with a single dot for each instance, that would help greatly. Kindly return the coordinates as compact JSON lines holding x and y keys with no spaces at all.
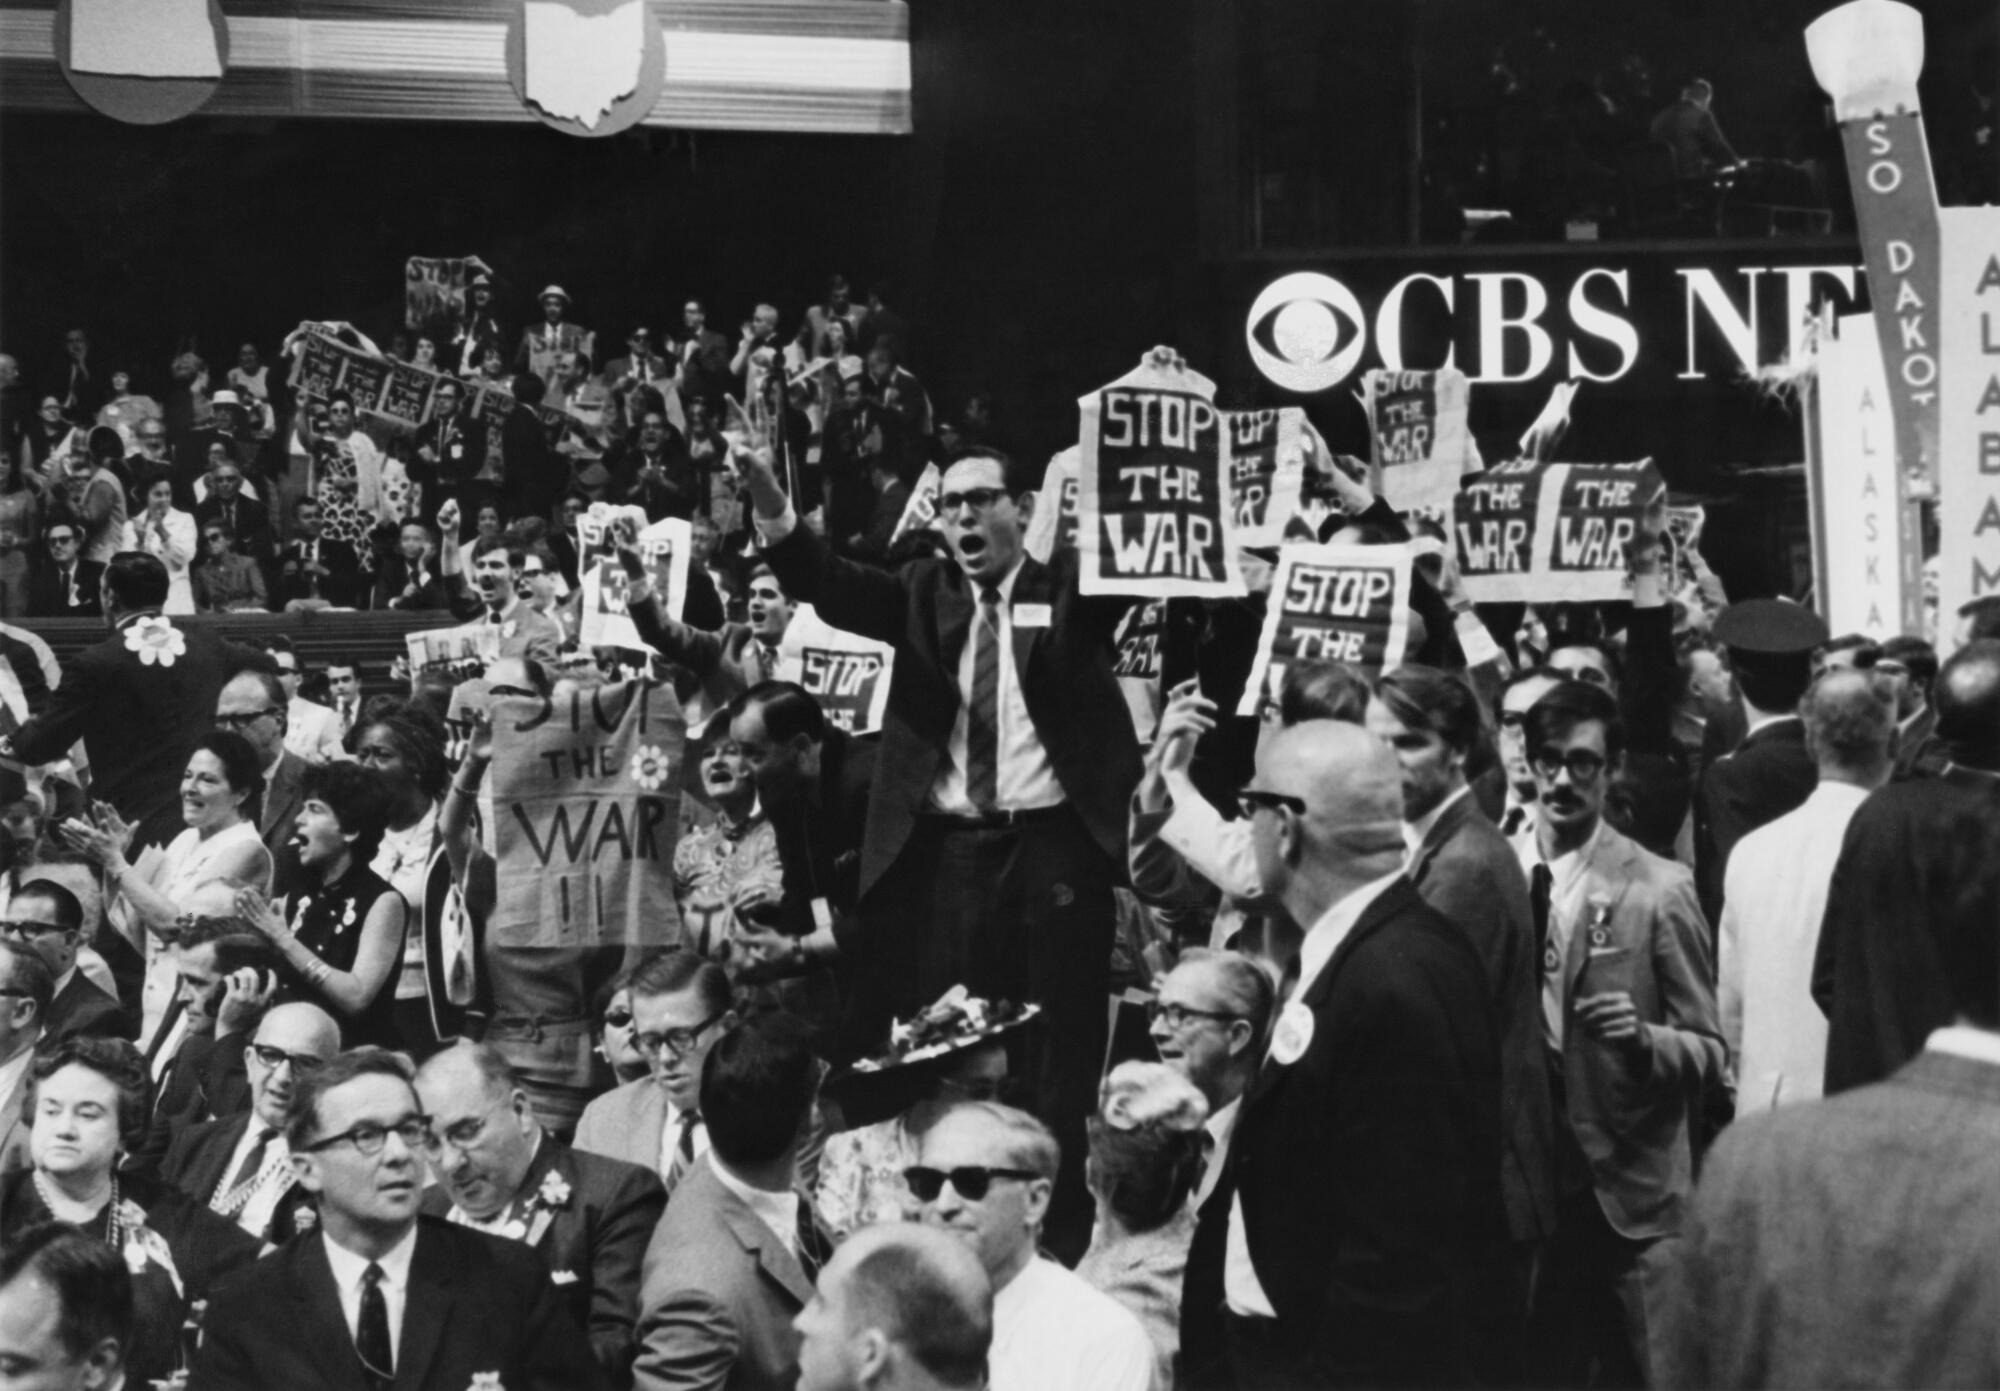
{"x":240,"y":1165}
{"x":377,"y":1296}
{"x":1633,"y":1038}
{"x":47,"y":919}
{"x":498,"y":1171}
{"x":1210,"y":1017}
{"x":26,"y":988}
{"x":997,"y":822}
{"x":312,"y":730}
{"x":984,"y":1174}
{"x":64,"y":585}
{"x":254,"y":705}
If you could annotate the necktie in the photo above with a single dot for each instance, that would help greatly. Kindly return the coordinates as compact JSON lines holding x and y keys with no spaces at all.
{"x":69,"y":584}
{"x":683,"y":1149}
{"x":371,"y":1330}
{"x":1510,"y":824}
{"x":810,"y":1243}
{"x":254,"y":1160}
{"x":1541,"y":887}
{"x":982,"y":725}
{"x":767,"y":657}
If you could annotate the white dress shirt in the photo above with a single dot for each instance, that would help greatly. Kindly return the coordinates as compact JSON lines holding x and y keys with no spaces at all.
{"x":1217,"y":849}
{"x":1566,"y":905}
{"x":777,"y":1211}
{"x":1774,"y":896}
{"x":1964,"y":1041}
{"x":11,"y":1073}
{"x":1054,"y":1332}
{"x":1220,"y":1127}
{"x":348,"y":1268}
{"x":670,"y":1139}
{"x":1026,"y":779}
{"x":1241,"y":1288}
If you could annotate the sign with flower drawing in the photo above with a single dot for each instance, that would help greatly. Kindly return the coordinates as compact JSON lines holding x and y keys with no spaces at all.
{"x":586,"y":808}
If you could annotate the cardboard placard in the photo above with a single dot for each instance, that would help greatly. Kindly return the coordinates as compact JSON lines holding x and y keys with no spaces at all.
{"x":1528,"y":531}
{"x":406,"y":395}
{"x":1332,"y":603}
{"x":316,"y":369}
{"x":1968,"y":473}
{"x":1267,"y":470}
{"x":434,"y":293}
{"x":364,"y":378}
{"x":1136,"y":663}
{"x":1155,"y":501}
{"x":469,"y":642}
{"x":847,"y":674}
{"x":1419,"y":443}
{"x":921,"y":512}
{"x":1053,"y":524}
{"x":586,"y":791}
{"x":1852,"y":489}
{"x":605,"y":619}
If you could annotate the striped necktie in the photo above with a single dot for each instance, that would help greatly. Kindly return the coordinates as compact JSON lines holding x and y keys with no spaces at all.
{"x":982,"y":725}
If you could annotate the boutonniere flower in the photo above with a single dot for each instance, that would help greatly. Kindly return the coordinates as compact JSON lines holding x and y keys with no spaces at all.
{"x":486,"y":1381}
{"x":142,"y":1246}
{"x":154,"y":640}
{"x":554,"y":1191}
{"x":305,"y":1218}
{"x":509,"y":628}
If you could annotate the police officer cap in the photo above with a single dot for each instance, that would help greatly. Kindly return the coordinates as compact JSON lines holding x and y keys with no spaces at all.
{"x":1771,"y":627}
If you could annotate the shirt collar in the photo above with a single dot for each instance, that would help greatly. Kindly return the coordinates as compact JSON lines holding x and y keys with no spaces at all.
{"x":1964,"y":1041}
{"x":1323,"y":939}
{"x":1415,"y":833}
{"x":1222,"y":1122}
{"x":348,"y":1267}
{"x":1765,"y":722}
{"x":778,"y":1211}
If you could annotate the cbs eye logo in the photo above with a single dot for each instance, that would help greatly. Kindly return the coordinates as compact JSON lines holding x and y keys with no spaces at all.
{"x":1306,"y":331}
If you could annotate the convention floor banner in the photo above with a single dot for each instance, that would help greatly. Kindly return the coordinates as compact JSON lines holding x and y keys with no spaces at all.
{"x":1969,"y":421}
{"x":1864,"y":568}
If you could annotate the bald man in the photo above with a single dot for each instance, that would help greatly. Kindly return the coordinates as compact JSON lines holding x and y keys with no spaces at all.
{"x":1363,"y":1179}
{"x":899,"y":1308}
{"x":240,"y":1165}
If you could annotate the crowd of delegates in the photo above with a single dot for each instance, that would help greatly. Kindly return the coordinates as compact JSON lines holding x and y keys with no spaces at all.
{"x":259,"y":499}
{"x":1467,"y":988}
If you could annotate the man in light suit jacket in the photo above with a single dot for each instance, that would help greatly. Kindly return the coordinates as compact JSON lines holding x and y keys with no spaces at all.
{"x":28,"y":987}
{"x":497,"y":1170}
{"x":734,"y":1260}
{"x":1629,"y":1016}
{"x":1465,"y":869}
{"x":140,"y":700}
{"x":996,"y":828}
{"x":461,"y":1308}
{"x":1849,"y":1242}
{"x":1363,"y":1182}
{"x":728,"y":662}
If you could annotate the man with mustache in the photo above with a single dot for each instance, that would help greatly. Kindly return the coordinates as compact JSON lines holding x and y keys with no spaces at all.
{"x":1634,"y":1044}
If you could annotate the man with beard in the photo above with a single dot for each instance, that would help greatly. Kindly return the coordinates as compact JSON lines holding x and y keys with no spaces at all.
{"x":499,"y":1172}
{"x":240,"y":1165}
{"x":996,"y":829}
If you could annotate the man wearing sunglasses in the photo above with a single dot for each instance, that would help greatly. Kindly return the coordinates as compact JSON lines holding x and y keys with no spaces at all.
{"x":997,"y":822}
{"x":47,"y":919}
{"x":497,"y":1170}
{"x":984,"y":1174}
{"x":240,"y":1165}
{"x":376,"y":1296}
{"x":1634,"y":1044}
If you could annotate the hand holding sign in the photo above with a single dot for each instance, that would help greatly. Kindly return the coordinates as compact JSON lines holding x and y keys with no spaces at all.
{"x":448,"y":517}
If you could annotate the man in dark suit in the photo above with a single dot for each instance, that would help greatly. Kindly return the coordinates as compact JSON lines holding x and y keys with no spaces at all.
{"x":532,"y":473}
{"x":733,"y":1262}
{"x":253,"y":705}
{"x":240,"y":1165}
{"x":248,"y":520}
{"x":1364,"y":1175}
{"x":996,"y":828}
{"x":27,"y":987}
{"x":1881,"y":974}
{"x":1464,"y":868}
{"x":316,"y":572}
{"x":1849,"y":1242}
{"x":1771,"y":772}
{"x":451,"y":451}
{"x":727,"y":661}
{"x":703,"y":357}
{"x":64,"y":586}
{"x":378,"y":1297}
{"x":497,"y":1170}
{"x":1634,"y":1046}
{"x":139,"y":700}
{"x":46,"y":918}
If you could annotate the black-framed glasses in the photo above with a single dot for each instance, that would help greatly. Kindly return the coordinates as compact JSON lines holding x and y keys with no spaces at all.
{"x":618,"y":1019}
{"x":213,"y":537}
{"x":368,"y":1138}
{"x":978,"y":499}
{"x":1255,"y":799}
{"x":239,"y":723}
{"x":675,"y":1041}
{"x":1177,"y":1016}
{"x":67,"y":538}
{"x":1514,"y":720}
{"x":460,"y":1135}
{"x":971,"y":1181}
{"x":274,"y":1058}
{"x":1582,"y":764}
{"x":22,"y":931}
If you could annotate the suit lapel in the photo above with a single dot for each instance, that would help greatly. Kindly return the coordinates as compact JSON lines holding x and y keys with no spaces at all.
{"x":321,"y":1328}
{"x":779,"y":1265}
{"x":426,"y":1311}
{"x":954,"y":616}
{"x":1605,"y":880}
{"x":222,"y":1141}
{"x":1031,"y":586}
{"x":1442,"y":830}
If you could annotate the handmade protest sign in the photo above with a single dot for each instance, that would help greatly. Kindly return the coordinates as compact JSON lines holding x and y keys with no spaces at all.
{"x":1267,"y":470}
{"x":471,"y":642}
{"x":846,"y":673}
{"x":316,"y":370}
{"x":587,"y":790}
{"x":406,"y":396}
{"x":365,"y":378}
{"x":1154,"y":501}
{"x":1865,"y":546}
{"x":1053,"y":524}
{"x":1136,"y":663}
{"x":434,"y":292}
{"x":1529,"y":531}
{"x":1969,"y":421}
{"x":1332,"y":603}
{"x":605,"y":619}
{"x":1419,"y":444}
{"x":921,"y":512}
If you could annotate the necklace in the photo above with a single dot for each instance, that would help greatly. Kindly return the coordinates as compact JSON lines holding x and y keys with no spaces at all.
{"x":114,"y":1226}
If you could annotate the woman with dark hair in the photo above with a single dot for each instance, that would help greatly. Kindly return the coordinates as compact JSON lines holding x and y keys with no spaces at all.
{"x":341,"y":929}
{"x":168,"y":533}
{"x":87,"y":1106}
{"x":1145,"y":1159}
{"x":222,"y":796}
{"x":404,"y":743}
